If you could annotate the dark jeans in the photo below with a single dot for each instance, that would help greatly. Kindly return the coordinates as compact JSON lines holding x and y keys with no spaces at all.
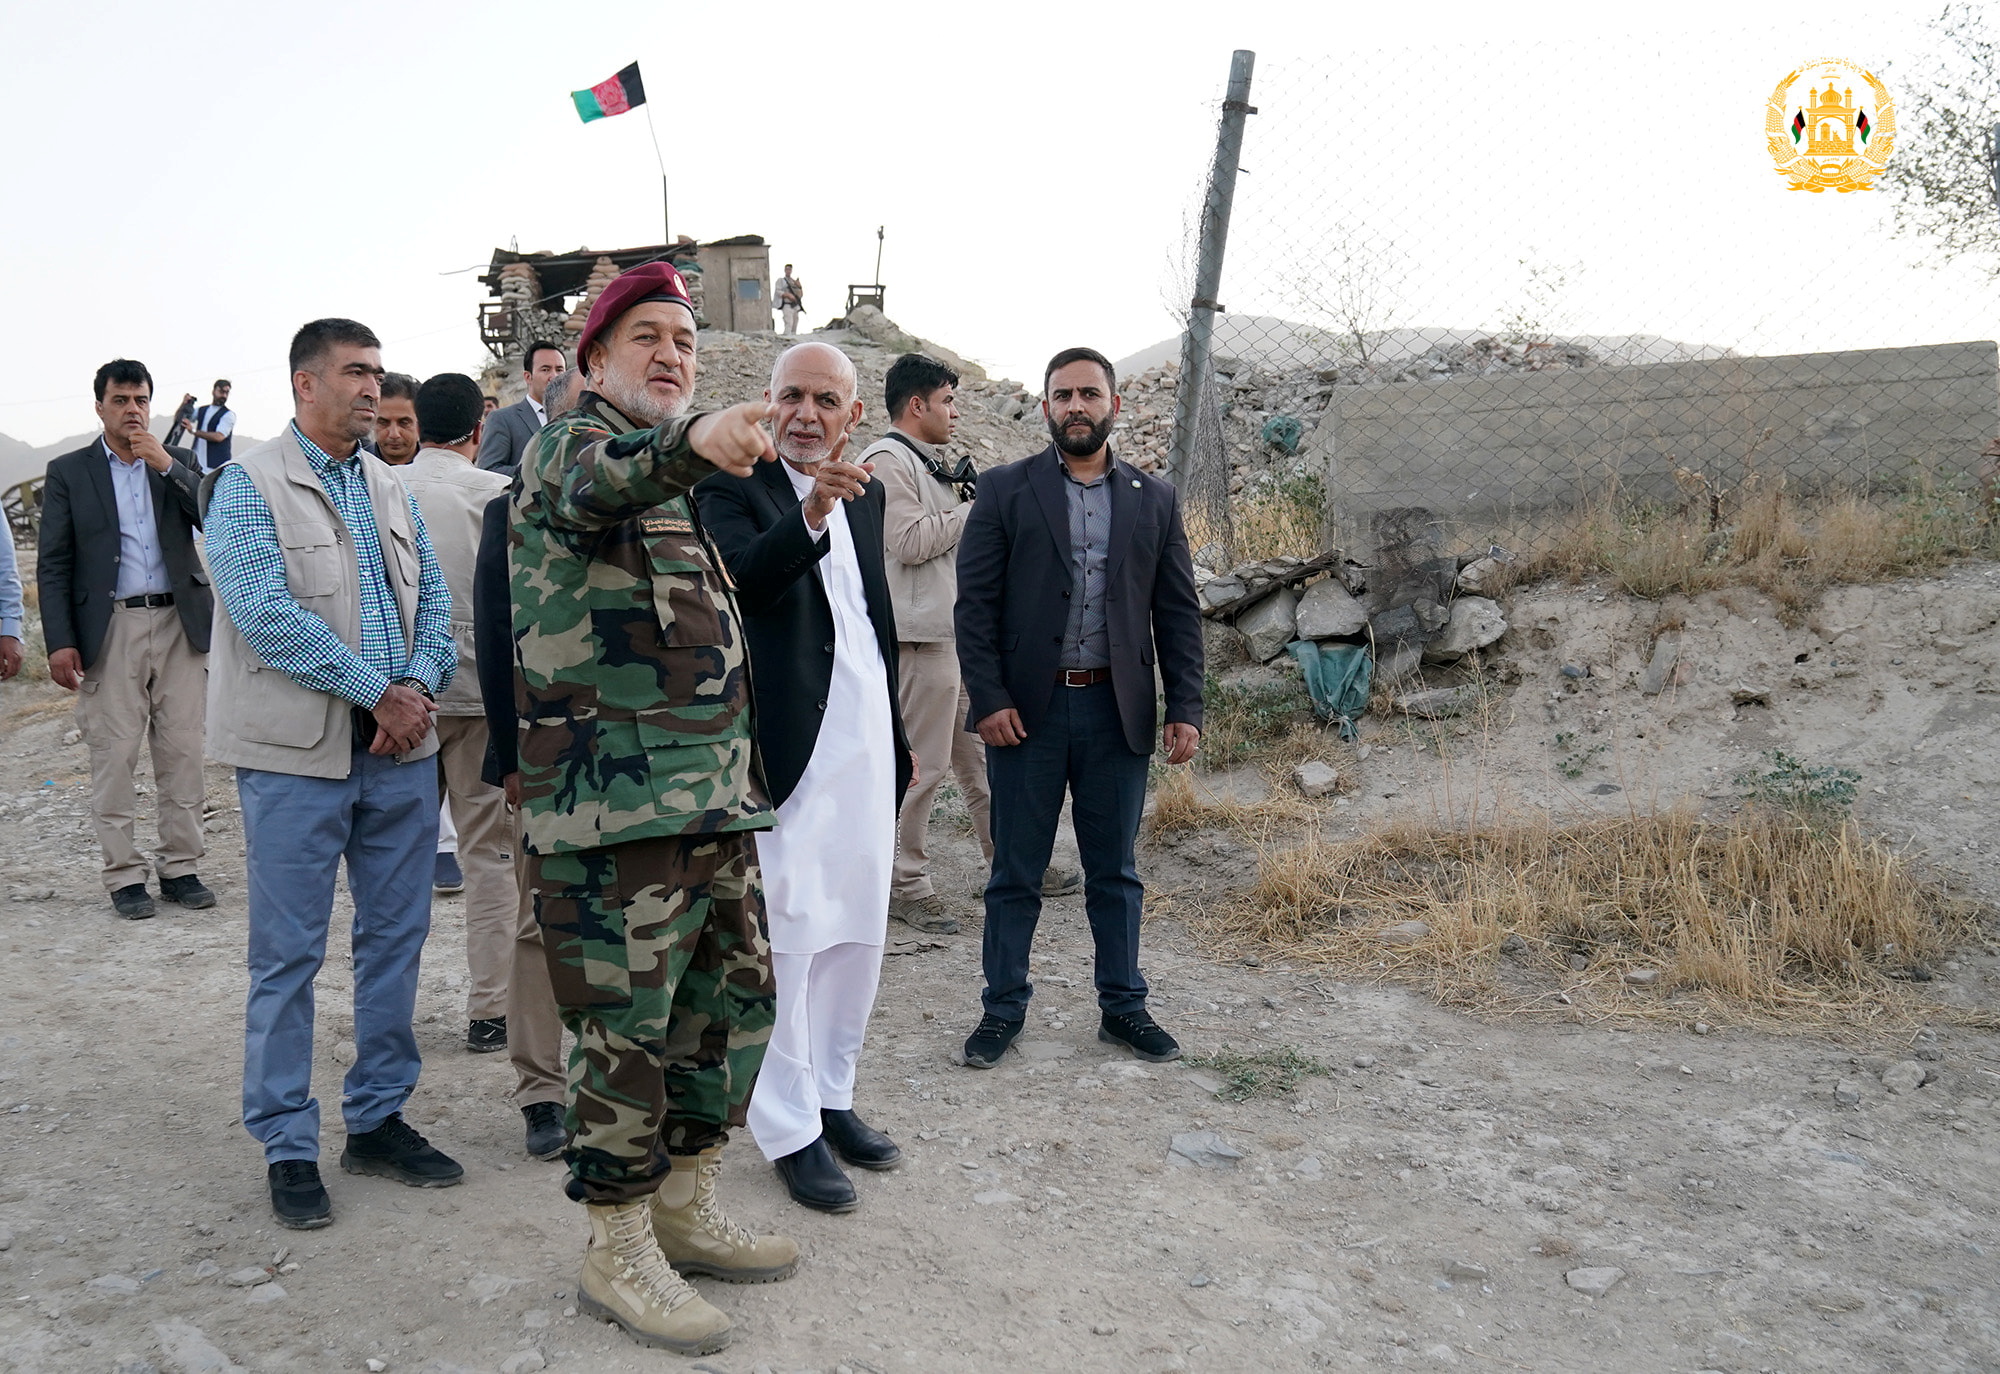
{"x":1080,"y":746}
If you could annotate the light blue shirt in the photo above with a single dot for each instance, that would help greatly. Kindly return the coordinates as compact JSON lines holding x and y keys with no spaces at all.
{"x":142,"y":566}
{"x":12,"y":605}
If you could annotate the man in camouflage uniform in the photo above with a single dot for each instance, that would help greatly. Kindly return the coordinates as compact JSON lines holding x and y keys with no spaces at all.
{"x":640,"y":790}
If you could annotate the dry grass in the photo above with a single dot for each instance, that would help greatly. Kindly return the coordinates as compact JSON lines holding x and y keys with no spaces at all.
{"x":1285,"y":522}
{"x":1182,"y":803}
{"x":1759,"y":535}
{"x":1758,"y":918}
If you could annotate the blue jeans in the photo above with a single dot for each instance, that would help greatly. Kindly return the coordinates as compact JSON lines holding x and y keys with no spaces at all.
{"x":382,"y":818}
{"x":1080,"y":746}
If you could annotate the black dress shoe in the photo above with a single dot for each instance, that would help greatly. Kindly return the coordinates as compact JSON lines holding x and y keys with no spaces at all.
{"x":395,"y":1150}
{"x":546,"y":1136}
{"x":990,"y":1040}
{"x":855,"y":1141}
{"x":298,"y":1198}
{"x":187,"y":890}
{"x":815,"y":1180}
{"x":133,"y":902}
{"x":1139,"y":1033}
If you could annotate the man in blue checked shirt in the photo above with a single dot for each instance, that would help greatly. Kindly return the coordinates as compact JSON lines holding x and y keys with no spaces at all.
{"x":322,"y":685}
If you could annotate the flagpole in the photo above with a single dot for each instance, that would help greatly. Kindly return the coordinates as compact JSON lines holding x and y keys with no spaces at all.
{"x":665,"y":221}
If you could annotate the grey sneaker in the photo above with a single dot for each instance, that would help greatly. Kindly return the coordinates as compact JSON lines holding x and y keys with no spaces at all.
{"x":923,"y":913}
{"x":1061,"y":882}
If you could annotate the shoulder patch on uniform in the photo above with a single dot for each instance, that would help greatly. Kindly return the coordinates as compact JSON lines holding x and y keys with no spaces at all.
{"x":665,"y":524}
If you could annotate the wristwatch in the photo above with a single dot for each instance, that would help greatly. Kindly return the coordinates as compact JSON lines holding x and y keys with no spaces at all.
{"x":416,"y":685}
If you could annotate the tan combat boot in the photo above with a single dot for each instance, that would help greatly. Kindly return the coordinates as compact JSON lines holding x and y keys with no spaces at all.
{"x":697,"y":1238}
{"x":627,"y":1280}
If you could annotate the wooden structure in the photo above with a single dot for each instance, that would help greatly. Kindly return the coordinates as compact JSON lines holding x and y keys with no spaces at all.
{"x":548,"y":295}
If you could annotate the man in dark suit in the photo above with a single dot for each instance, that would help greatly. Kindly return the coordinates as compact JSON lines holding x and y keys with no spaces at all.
{"x":1073,"y":581}
{"x":509,"y":428}
{"x":126,"y":612}
{"x":803,"y":541}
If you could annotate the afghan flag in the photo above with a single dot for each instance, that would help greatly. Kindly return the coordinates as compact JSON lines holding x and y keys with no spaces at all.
{"x":1798,"y":124}
{"x":1861,"y":123}
{"x":613,"y":96}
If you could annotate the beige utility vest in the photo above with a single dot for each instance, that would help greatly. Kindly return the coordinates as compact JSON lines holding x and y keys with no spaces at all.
{"x":259,"y":717}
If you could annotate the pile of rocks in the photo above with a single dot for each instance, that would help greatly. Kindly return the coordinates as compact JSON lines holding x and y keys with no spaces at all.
{"x":1412,"y":606}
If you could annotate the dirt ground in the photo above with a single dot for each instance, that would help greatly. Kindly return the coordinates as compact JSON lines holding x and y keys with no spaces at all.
{"x":1432,"y":1201}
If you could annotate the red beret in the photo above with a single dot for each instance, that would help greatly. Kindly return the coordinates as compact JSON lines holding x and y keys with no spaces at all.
{"x":650,"y":281}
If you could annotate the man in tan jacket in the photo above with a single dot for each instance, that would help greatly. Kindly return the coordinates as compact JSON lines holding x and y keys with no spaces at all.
{"x":925,"y":511}
{"x":452,"y":495}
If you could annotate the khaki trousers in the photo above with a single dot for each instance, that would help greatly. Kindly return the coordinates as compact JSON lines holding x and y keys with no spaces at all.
{"x":534,"y":1024}
{"x":148,"y":685}
{"x":934,"y":709}
{"x":492,"y":893}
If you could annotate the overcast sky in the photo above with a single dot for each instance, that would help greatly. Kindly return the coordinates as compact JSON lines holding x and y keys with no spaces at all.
{"x":188,"y":183}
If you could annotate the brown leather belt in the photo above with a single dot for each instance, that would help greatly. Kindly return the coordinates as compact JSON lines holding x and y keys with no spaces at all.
{"x":1082,"y":677}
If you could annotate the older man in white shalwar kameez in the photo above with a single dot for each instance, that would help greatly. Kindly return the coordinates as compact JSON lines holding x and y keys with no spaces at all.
{"x":803,"y":541}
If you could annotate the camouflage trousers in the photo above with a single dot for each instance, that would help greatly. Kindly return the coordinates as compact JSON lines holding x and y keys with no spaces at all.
{"x":661,"y":964}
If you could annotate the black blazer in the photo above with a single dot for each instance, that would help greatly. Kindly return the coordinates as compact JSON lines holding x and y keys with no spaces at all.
{"x":1014,"y":586}
{"x":76,"y":570}
{"x":759,"y":527}
{"x":493,"y":643}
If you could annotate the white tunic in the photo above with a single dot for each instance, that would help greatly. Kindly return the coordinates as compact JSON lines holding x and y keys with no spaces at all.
{"x":826,"y":864}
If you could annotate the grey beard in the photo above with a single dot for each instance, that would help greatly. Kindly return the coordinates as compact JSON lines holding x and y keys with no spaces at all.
{"x":637,"y":403}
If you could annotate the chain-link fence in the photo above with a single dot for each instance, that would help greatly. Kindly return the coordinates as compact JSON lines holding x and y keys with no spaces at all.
{"x":1490,"y":304}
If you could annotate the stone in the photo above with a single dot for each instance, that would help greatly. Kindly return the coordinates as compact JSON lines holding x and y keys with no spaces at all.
{"x":1328,"y":611}
{"x":1404,"y":933}
{"x":994,"y":1197}
{"x":523,"y":1362}
{"x":1466,"y":1269}
{"x":1575,"y":671}
{"x":1743,"y":694}
{"x":1660,"y":672}
{"x":267,"y":1292}
{"x":1315,"y":779}
{"x":1202,"y":1150}
{"x":188,"y":1351}
{"x":247,"y":1278}
{"x":6,"y":1238}
{"x":1439,"y":703}
{"x":375,"y":1366}
{"x":1847,"y":1092}
{"x":1270,"y":625}
{"x":1513,"y":944}
{"x":1904,"y":1076}
{"x":132,"y":1364}
{"x":1103,"y":1329}
{"x":117,"y":1285}
{"x":1474,"y":623}
{"x":1596,"y":1281}
{"x":207,"y":1269}
{"x":344,"y":1053}
{"x":1642,"y":977}
{"x":1219,"y":593}
{"x":1479,"y":575}
{"x":1364,"y":1061}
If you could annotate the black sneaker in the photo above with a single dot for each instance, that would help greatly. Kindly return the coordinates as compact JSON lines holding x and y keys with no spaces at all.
{"x":298,"y":1198}
{"x":546,"y":1136}
{"x":985,"y":1046}
{"x":395,"y":1150}
{"x":486,"y":1035}
{"x":187,"y":890}
{"x":133,"y":902}
{"x":1139,"y":1033}
{"x":446,"y":876}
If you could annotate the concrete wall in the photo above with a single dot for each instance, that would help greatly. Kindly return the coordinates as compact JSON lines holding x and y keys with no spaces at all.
{"x":1492,"y":447}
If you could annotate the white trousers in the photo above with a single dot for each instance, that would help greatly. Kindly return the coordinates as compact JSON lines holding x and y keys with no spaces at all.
{"x":823,"y":1005}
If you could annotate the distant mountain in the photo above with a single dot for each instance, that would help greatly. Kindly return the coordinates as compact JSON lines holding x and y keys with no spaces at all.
{"x":1268,"y":340}
{"x":20,"y":461}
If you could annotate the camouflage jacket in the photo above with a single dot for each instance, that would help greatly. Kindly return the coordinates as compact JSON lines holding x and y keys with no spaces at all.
{"x":630,"y":674}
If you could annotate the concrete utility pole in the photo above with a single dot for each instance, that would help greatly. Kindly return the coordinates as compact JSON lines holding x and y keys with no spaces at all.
{"x":1198,"y":344}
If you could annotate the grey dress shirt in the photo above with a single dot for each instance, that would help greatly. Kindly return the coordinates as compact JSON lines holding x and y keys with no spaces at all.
{"x":1085,"y":641}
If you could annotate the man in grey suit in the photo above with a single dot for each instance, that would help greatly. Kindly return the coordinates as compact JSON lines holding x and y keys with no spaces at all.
{"x":509,"y":428}
{"x":126,"y":613}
